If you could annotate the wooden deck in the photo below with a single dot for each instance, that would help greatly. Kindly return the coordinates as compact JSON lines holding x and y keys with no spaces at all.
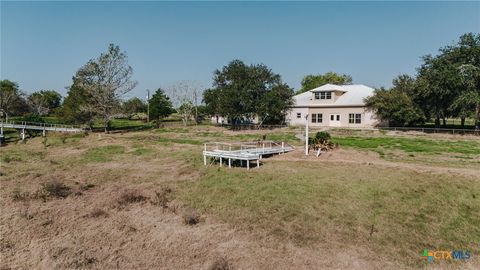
{"x":22,"y":126}
{"x":251,"y":151}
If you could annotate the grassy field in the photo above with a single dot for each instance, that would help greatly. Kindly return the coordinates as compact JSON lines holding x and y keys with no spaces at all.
{"x":378,"y":201}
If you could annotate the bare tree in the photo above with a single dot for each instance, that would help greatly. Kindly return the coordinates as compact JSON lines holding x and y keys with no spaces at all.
{"x":184,"y":97}
{"x":105,"y":80}
{"x":11,"y":99}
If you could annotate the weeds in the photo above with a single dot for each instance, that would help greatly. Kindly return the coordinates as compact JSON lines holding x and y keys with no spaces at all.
{"x":8,"y":159}
{"x":18,"y":195}
{"x":55,"y":189}
{"x":96,"y":213}
{"x":162,"y":197}
{"x":129,"y":197}
{"x":85,"y":187}
{"x":103,"y":154}
{"x":220,"y":264}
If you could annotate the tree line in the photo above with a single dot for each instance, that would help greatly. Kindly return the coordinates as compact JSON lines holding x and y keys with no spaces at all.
{"x":446,"y":85}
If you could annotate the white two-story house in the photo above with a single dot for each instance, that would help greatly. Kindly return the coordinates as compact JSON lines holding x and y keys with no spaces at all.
{"x":333,"y":105}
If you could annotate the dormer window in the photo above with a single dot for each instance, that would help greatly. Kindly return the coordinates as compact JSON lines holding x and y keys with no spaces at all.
{"x":323,"y":95}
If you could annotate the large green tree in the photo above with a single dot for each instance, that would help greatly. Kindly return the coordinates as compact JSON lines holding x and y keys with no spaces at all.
{"x":241,"y":90}
{"x":465,"y":56}
{"x":75,"y":109}
{"x":445,"y":81}
{"x":12,"y":101}
{"x":105,"y":80}
{"x":394,"y":106}
{"x":43,"y":102}
{"x":310,"y":82}
{"x":133,"y":106}
{"x":160,"y":106}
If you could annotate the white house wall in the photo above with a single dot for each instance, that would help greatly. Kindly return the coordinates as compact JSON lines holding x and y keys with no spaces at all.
{"x":367,"y":118}
{"x":292,"y":119}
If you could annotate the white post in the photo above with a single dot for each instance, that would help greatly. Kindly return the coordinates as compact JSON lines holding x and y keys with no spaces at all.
{"x":283,"y":147}
{"x":220,"y":161}
{"x":23,"y":134}
{"x":258,"y":163}
{"x":248,"y":164}
{"x":306,"y":135}
{"x":229,"y":163}
{"x":204,"y":155}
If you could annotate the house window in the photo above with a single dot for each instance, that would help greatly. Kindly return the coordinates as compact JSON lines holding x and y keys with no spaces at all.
{"x":317,"y":118}
{"x":299,"y":115}
{"x":325,"y":95}
{"x":338,"y":117}
{"x":355,"y":118}
{"x":332,"y":117}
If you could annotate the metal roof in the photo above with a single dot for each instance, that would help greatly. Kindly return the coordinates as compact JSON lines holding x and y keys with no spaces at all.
{"x":353,"y":95}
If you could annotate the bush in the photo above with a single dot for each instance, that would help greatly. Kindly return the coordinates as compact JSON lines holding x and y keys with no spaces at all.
{"x":162,"y":197}
{"x":55,"y":189}
{"x":220,"y":264}
{"x":131,"y":197}
{"x":98,"y":213}
{"x":18,"y":195}
{"x":191,"y":218}
{"x":33,"y":118}
{"x":322,"y":140}
{"x":322,"y":137}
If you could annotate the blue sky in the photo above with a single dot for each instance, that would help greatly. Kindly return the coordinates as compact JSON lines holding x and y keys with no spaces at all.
{"x":44,"y":43}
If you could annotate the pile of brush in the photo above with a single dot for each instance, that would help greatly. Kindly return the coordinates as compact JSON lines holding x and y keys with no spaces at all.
{"x":322,"y":141}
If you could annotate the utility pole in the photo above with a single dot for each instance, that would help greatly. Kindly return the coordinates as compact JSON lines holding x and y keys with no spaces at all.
{"x":306,"y":135}
{"x":148,"y":106}
{"x":196,"y":111}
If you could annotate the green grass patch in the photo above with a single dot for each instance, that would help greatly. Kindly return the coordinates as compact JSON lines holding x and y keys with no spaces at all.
{"x":395,"y":213}
{"x":172,"y":130}
{"x":102,"y":154}
{"x":278,"y":136}
{"x":179,"y":141}
{"x":142,"y":151}
{"x":410,"y":145}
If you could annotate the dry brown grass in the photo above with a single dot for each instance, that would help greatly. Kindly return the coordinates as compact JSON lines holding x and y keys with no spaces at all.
{"x":92,"y":231}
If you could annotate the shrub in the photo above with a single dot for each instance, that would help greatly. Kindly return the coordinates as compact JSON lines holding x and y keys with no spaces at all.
{"x":220,"y":264}
{"x":191,"y":217}
{"x":322,"y":137}
{"x":8,"y":159}
{"x":55,"y":189}
{"x":87,"y":186}
{"x":131,"y":197}
{"x":162,"y":197}
{"x":322,"y":140}
{"x":98,"y":213}
{"x":33,"y":118}
{"x":18,"y":195}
